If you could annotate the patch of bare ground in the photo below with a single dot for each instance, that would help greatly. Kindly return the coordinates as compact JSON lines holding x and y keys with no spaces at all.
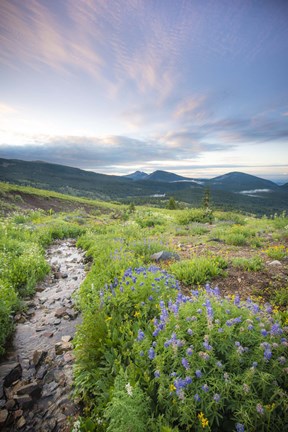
{"x":263,"y":283}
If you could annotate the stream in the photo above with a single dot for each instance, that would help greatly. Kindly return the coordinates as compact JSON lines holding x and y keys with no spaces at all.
{"x":36,"y":373}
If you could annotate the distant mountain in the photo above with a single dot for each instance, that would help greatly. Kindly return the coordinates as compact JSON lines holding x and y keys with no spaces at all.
{"x":234,"y":191}
{"x":242,"y":183}
{"x":168,"y":177}
{"x":137,"y":175}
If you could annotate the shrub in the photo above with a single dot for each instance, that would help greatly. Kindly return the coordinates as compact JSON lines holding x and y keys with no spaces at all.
{"x":194,"y":215}
{"x":250,"y":264}
{"x":276,"y":252}
{"x":198,"y":270}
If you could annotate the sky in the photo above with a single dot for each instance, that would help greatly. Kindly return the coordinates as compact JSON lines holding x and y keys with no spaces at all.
{"x":195,"y":87}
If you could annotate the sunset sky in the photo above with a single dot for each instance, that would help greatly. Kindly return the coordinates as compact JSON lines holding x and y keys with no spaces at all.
{"x":196,"y":87}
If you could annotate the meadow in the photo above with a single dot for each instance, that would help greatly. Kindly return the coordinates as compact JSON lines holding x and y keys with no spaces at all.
{"x":189,"y":344}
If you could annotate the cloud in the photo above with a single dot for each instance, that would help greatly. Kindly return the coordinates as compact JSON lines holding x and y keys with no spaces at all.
{"x":85,"y":152}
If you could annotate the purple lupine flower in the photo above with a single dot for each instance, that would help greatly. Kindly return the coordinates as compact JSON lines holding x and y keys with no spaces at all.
{"x":260,"y":409}
{"x":189,"y":351}
{"x":264,"y":332}
{"x":198,"y":373}
{"x":188,"y":380}
{"x":185,"y":363}
{"x":237,"y":300}
{"x":254,"y":364}
{"x":240,"y":427}
{"x":250,"y":327}
{"x":154,"y":344}
{"x":220,"y":330}
{"x":267,"y":354}
{"x":205,"y":388}
{"x":216,"y":397}
{"x":141,"y":335}
{"x":282,"y":360}
{"x":207,"y":346}
{"x":190,"y":332}
{"x":151,"y":353}
{"x":219,"y":364}
{"x":157,"y":374}
{"x":141,"y":353}
{"x":197,"y":397}
{"x":276,"y":329}
{"x":150,"y":298}
{"x":199,"y":311}
{"x":237,"y":344}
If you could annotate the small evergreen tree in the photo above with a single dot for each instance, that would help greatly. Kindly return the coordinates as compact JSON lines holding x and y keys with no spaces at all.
{"x":172,"y":204}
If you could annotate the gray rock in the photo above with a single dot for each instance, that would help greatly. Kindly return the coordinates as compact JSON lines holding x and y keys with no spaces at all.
{"x":61,"y":347}
{"x":38,"y":357}
{"x":41,"y":372}
{"x":10,"y":404}
{"x":275,"y":263}
{"x":165,"y":256}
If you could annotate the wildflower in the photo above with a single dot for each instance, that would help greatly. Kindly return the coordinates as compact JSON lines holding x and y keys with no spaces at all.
{"x":267,"y":354}
{"x":226,"y":377}
{"x":129,"y":389}
{"x":189,"y":351}
{"x":205,"y":388}
{"x":216,"y":397}
{"x":157,"y":374}
{"x":141,"y":335}
{"x":219,"y":364}
{"x":190,"y":332}
{"x":172,"y":387}
{"x":254,"y":365}
{"x":198,"y":373}
{"x":250,"y":327}
{"x":260,"y":409}
{"x":239,"y":427}
{"x":282,"y":360}
{"x":150,"y":298}
{"x":246,"y":388}
{"x":185,"y":363}
{"x":141,"y":353}
{"x":207,"y":346}
{"x":203,"y":420}
{"x":188,"y":380}
{"x":151,"y":354}
{"x":264,"y":332}
{"x":197,"y":397}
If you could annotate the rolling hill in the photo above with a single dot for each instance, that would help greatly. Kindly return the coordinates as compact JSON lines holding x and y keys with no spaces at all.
{"x":234,"y":190}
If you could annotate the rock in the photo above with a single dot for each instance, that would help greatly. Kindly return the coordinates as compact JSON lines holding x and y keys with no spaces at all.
{"x":75,"y":278}
{"x":21,"y":422}
{"x":38,"y":357}
{"x":41,"y":372}
{"x":165,"y":256}
{"x":33,"y":389}
{"x":67,"y":338}
{"x":48,"y":389}
{"x":68,"y":357}
{"x":2,"y":403}
{"x":9,"y":373}
{"x":10,"y":404}
{"x":57,"y":322}
{"x":18,"y":413}
{"x":40,"y":288}
{"x":72,"y":313}
{"x":275,"y":263}
{"x":64,"y":275}
{"x":24,"y":401}
{"x":3,"y":416}
{"x":61,"y":347}
{"x":61,"y":312}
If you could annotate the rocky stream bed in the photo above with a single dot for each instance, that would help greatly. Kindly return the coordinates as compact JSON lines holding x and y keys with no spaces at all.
{"x":36,"y":373}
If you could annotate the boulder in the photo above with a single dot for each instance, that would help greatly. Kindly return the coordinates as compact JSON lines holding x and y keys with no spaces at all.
{"x":164,"y":256}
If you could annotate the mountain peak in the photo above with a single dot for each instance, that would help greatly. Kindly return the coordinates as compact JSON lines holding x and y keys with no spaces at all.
{"x":137,"y":175}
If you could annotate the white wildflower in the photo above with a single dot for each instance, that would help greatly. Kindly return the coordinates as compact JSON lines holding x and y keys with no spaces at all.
{"x":129,"y":389}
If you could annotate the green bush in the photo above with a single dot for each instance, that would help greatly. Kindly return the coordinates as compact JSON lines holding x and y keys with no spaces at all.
{"x":194,"y":215}
{"x":198,"y":270}
{"x":250,"y":264}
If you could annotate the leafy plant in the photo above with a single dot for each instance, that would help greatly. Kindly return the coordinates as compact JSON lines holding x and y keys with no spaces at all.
{"x":198,"y":270}
{"x":277,"y":252}
{"x":251,"y":264}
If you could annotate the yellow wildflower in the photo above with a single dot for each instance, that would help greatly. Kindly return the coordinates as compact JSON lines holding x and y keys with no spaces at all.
{"x":172,"y":387}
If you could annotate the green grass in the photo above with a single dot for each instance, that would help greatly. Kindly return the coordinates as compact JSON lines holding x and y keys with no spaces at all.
{"x":249,"y":264}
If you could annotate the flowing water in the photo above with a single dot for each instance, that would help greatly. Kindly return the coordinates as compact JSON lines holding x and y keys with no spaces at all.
{"x":39,"y":360}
